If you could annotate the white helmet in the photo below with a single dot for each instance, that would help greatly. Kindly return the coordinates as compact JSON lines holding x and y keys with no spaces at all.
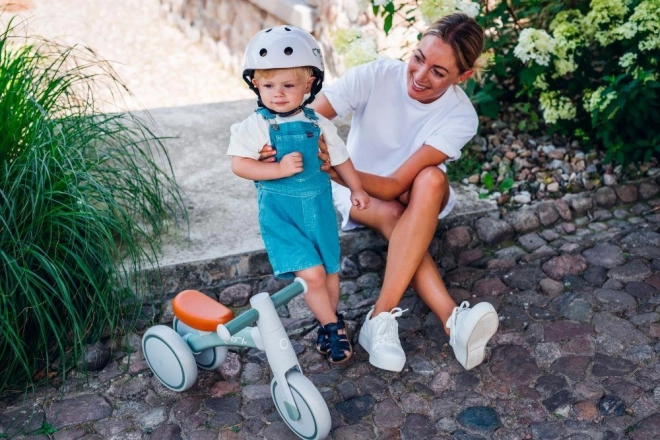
{"x":282,"y":47}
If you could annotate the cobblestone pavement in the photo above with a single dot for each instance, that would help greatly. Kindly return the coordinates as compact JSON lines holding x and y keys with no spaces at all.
{"x":575,"y":282}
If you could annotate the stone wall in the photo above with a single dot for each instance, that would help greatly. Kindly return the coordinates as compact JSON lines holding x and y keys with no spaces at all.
{"x":224,"y":27}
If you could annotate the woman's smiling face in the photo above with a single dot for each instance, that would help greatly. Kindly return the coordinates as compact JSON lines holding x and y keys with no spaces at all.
{"x":432,"y":69}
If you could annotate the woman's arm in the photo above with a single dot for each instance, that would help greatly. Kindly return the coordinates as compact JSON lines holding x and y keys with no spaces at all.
{"x":391,"y":187}
{"x":322,"y":105}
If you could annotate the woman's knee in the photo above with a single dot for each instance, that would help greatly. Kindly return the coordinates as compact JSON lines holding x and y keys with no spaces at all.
{"x":380,"y":216}
{"x":432,"y":179}
{"x":389,"y":217}
{"x":430,"y":189}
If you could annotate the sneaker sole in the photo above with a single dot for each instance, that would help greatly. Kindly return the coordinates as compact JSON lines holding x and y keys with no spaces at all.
{"x":384,"y":363}
{"x":483,"y":329}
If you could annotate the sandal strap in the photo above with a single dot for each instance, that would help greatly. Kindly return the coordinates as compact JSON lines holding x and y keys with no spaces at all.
{"x":340,"y":346}
{"x":322,"y":345}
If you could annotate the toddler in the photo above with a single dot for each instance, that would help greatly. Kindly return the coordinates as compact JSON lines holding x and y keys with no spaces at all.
{"x":284,"y":67}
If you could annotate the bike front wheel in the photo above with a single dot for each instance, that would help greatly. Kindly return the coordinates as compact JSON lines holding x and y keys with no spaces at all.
{"x":314,"y":421}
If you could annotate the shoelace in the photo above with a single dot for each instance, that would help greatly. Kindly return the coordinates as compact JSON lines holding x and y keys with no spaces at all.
{"x":451,"y":323}
{"x":388,"y":329}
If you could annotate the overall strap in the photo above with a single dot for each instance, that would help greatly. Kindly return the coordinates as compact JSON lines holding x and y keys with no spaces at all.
{"x":310,"y":113}
{"x":265,"y":113}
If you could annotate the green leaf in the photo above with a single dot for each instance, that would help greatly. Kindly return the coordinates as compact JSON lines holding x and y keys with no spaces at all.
{"x":387,"y":25}
{"x":487,"y":181}
{"x":506,"y":184}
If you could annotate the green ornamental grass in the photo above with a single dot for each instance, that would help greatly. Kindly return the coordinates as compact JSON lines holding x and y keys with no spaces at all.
{"x":84,"y":196}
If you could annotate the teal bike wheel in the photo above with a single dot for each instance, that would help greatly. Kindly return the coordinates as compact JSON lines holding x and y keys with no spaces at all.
{"x":314,"y":417}
{"x":169,"y":358}
{"x":208,"y":359}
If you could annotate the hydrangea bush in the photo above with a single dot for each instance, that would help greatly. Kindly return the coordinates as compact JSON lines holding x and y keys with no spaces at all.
{"x":588,"y":70}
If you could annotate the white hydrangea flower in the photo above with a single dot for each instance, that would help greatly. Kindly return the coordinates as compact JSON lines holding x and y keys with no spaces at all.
{"x":652,"y":42}
{"x":432,"y":10}
{"x":628,"y":59}
{"x":565,"y":65}
{"x":598,"y":100}
{"x":471,"y":9}
{"x":536,"y":45}
{"x":540,"y":83}
{"x":342,"y":38}
{"x":381,"y":2}
{"x":360,"y":52}
{"x":556,"y":107}
{"x":625,"y":31}
{"x":646,"y":16}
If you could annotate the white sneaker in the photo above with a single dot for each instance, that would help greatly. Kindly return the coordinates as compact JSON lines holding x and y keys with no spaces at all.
{"x":380,"y":337}
{"x":471,"y":329}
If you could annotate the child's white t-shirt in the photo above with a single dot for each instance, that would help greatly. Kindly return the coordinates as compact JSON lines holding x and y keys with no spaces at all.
{"x":250,"y":136}
{"x":388,"y":126}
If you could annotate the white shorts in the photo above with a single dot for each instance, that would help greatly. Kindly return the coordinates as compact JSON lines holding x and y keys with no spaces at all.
{"x":342,"y":199}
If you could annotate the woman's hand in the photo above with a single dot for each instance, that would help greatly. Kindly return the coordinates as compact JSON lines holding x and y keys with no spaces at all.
{"x":325,"y":161}
{"x":324,"y":155}
{"x":267,"y":154}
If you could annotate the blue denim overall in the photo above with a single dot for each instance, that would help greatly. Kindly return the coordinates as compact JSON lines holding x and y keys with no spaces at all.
{"x":296,"y":214}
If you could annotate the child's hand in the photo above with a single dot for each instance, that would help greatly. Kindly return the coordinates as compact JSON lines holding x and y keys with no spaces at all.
{"x":291,"y":164}
{"x":360,"y":199}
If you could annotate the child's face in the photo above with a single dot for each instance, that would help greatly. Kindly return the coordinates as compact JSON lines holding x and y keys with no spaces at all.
{"x":283,"y":91}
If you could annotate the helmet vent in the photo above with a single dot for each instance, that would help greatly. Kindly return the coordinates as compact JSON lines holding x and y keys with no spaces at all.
{"x":269,"y":30}
{"x":287,"y":29}
{"x":288,"y":51}
{"x":263,"y":52}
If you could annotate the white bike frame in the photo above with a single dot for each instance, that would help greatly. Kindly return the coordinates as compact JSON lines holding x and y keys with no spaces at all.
{"x":269,"y":335}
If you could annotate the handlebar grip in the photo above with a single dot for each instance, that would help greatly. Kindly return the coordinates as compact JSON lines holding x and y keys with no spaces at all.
{"x":243,"y":320}
{"x":285,"y":295}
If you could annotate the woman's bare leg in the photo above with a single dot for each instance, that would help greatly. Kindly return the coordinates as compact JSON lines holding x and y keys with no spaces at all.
{"x":410,"y":230}
{"x":428,"y":284}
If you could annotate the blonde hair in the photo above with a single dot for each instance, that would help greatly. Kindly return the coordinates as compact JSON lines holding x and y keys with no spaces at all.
{"x":465,"y":37}
{"x":302,"y":73}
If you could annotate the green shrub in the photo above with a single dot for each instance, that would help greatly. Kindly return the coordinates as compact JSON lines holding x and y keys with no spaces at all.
{"x":589,"y":70}
{"x":83,"y":197}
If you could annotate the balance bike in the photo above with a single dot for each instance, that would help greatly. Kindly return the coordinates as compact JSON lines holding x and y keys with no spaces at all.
{"x":204,"y":329}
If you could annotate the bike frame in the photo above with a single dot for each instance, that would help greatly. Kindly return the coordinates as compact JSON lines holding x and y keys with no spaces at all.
{"x":269,"y":335}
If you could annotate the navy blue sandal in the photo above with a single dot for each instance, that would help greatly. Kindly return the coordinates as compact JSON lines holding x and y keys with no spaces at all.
{"x":322,"y":344}
{"x":340,"y":349}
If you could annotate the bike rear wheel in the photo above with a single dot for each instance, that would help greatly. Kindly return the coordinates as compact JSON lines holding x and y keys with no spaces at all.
{"x":169,"y":357}
{"x":209,"y":359}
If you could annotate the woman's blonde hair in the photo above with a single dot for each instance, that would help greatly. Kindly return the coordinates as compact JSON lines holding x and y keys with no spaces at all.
{"x":302,"y":73}
{"x":465,"y":37}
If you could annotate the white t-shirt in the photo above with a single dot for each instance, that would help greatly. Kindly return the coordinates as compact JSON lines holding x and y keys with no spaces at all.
{"x":249,"y":137}
{"x":388,"y":126}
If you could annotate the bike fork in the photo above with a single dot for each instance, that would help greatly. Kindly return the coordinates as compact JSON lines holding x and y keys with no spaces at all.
{"x":277,"y":346}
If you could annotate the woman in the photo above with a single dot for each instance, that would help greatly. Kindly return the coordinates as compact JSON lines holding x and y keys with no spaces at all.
{"x":408,"y":120}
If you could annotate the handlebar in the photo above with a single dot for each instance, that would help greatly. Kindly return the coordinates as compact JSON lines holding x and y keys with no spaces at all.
{"x":279,"y":298}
